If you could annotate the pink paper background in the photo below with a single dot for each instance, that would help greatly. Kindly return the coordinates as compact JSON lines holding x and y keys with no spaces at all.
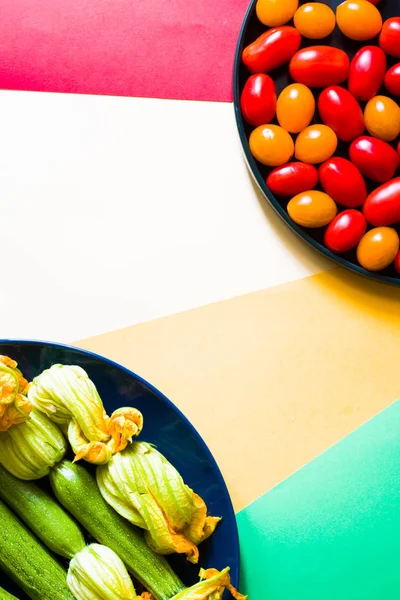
{"x":164,"y":49}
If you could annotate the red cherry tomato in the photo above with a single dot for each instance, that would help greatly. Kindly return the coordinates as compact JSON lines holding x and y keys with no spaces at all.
{"x":345,"y":231}
{"x":258,"y":100}
{"x":319,"y":66}
{"x":272,"y":49}
{"x":398,"y":148}
{"x":367,"y":71}
{"x":343,"y":182}
{"x":397,"y":262}
{"x":382,"y":207}
{"x":374,"y":1}
{"x":341,"y":112}
{"x":375,"y":158}
{"x":392,"y":80}
{"x":292,"y":179}
{"x":389,"y":40}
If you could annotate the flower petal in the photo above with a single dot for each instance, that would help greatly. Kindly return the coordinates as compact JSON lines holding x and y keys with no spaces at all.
{"x":97,"y":573}
{"x":29,"y":450}
{"x":211,"y":586}
{"x":66,"y":394}
{"x":142,"y":486}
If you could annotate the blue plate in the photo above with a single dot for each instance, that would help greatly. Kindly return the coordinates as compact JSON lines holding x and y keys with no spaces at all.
{"x":165,"y":426}
{"x":252,"y":28}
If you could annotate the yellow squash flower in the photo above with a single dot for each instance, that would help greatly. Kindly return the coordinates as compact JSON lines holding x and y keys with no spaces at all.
{"x":211,"y":586}
{"x":14,"y":406}
{"x":29,"y":450}
{"x":97,"y":573}
{"x":142,"y":486}
{"x":66,"y":394}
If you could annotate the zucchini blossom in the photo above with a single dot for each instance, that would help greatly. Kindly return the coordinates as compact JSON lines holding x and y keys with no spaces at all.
{"x":97,"y":573}
{"x":211,"y":586}
{"x":14,"y":405}
{"x":68,"y":397}
{"x":142,"y":486}
{"x":29,"y":450}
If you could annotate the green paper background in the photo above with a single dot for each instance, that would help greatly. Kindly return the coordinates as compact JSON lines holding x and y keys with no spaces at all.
{"x":331,"y":531}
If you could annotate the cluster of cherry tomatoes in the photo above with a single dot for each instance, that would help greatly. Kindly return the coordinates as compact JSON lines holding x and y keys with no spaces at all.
{"x":363,"y":221}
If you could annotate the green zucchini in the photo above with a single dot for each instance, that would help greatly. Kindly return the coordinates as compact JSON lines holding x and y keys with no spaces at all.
{"x":77,"y":491}
{"x":26,"y":561}
{"x":42,"y":514}
{"x":5,"y":595}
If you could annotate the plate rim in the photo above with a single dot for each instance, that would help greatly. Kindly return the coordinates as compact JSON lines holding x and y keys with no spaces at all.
{"x":234,"y":571}
{"x":267,"y":194}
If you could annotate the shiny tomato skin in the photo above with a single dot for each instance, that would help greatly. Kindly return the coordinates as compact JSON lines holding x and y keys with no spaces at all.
{"x":295,"y":107}
{"x":312,"y":209}
{"x":397,"y":263}
{"x":392,"y":80}
{"x":382,"y":118}
{"x":378,"y":248}
{"x":389,"y":40}
{"x":272,"y":49}
{"x":315,"y":20}
{"x":274,"y":13}
{"x":341,"y":112}
{"x":358,"y":20}
{"x":382,"y":207}
{"x":375,"y":158}
{"x":367,"y":72}
{"x":345,"y":231}
{"x":315,"y":144}
{"x":271,"y":145}
{"x":343,"y":182}
{"x":258,"y":100}
{"x":292,"y":179}
{"x":319,"y":66}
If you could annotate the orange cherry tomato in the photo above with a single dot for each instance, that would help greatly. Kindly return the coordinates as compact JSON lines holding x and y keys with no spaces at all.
{"x":389,"y":39}
{"x":358,"y":19}
{"x":295,"y":107}
{"x":274,"y":13}
{"x":271,"y":145}
{"x":315,"y":144}
{"x":312,"y":209}
{"x":378,"y":248}
{"x":315,"y":20}
{"x":382,"y":118}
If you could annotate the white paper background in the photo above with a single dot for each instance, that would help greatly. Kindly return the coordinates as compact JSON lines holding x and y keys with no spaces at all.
{"x":120,"y":210}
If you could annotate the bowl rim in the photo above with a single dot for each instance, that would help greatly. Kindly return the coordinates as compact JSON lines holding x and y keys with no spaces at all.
{"x":234,"y":570}
{"x":261,"y":184}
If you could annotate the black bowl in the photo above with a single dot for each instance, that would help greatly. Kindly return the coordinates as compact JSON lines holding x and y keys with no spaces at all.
{"x":251,"y":29}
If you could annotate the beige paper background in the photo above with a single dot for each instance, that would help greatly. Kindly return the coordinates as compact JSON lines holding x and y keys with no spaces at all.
{"x":273,"y":378}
